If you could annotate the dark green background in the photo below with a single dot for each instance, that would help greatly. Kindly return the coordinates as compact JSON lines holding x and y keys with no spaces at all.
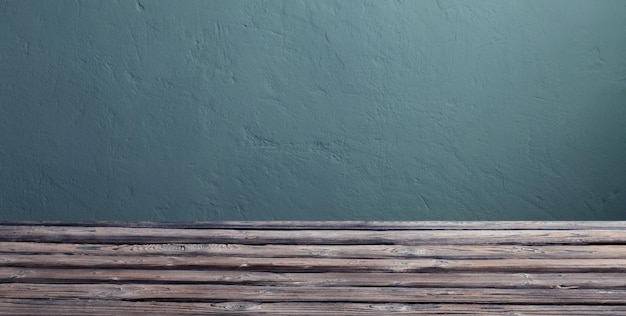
{"x":313,"y":110}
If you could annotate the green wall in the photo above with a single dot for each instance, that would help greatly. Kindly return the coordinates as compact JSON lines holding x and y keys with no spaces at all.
{"x":313,"y":110}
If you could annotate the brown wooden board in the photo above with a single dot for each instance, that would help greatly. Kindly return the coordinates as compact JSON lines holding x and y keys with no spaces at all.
{"x":79,"y":234}
{"x":108,"y":307}
{"x":326,"y":251}
{"x":313,"y":268}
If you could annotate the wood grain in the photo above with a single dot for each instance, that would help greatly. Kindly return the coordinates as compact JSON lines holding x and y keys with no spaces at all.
{"x":325,"y":251}
{"x":78,"y":234}
{"x":217,"y":293}
{"x":314,"y":264}
{"x":313,"y":268}
{"x":328,"y":279}
{"x":109,"y":307}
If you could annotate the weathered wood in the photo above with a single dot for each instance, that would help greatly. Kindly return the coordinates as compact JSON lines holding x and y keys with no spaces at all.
{"x":108,"y":307}
{"x":216,"y":293}
{"x":327,"y":279}
{"x":313,"y":268}
{"x":66,"y":234}
{"x":315,"y":264}
{"x":326,"y":251}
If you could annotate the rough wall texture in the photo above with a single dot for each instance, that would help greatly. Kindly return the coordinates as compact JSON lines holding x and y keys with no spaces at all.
{"x":312,"y":110}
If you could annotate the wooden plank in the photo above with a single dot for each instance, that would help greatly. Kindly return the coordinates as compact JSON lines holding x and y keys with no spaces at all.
{"x":327,"y":251}
{"x":217,"y":293}
{"x":329,"y":279}
{"x":102,"y":307}
{"x":319,"y":237}
{"x":315,"y":264}
{"x":324,"y":268}
{"x":346,"y":225}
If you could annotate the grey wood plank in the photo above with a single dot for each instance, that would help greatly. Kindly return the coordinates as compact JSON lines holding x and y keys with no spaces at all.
{"x":324,"y":268}
{"x":315,"y":264}
{"x":216,"y":293}
{"x":328,"y":279}
{"x":327,"y":251}
{"x":320,"y":237}
{"x":107,"y":307}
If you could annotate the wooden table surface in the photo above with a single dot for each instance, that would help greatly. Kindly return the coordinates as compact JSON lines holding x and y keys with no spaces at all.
{"x":318,"y":268}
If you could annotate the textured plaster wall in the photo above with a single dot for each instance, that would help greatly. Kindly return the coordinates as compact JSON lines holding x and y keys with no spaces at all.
{"x":312,"y":110}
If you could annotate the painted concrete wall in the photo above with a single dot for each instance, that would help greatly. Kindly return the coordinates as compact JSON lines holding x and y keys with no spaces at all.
{"x":312,"y":110}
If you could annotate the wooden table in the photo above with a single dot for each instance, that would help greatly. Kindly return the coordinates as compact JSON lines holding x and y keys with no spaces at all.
{"x":321,"y":268}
